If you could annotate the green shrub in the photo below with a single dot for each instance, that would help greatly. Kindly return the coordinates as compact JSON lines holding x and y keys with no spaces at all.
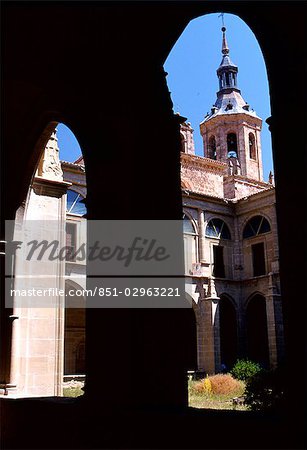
{"x":245,"y":369}
{"x":265,"y":390}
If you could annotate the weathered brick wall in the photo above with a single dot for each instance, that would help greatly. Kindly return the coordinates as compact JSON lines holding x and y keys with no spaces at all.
{"x":203,"y":175}
{"x":241,"y":125}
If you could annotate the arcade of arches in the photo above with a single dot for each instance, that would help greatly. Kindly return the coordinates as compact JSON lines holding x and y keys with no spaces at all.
{"x":41,"y":90}
{"x":230,"y":244}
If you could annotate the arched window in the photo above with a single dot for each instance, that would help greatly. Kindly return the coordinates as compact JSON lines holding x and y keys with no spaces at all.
{"x":75,"y":204}
{"x":190,"y":245}
{"x":252,"y":146}
{"x":232,"y":149}
{"x":217,"y":228}
{"x":212,"y":148}
{"x":255,"y":226}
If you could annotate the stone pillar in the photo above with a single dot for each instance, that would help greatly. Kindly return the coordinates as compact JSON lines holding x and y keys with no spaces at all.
{"x":209,"y":352}
{"x":6,"y":324}
{"x":242,"y":151}
{"x":274,"y":324}
{"x":237,"y":251}
{"x":259,"y":153}
{"x":137,"y":349}
{"x":200,"y":328}
{"x":271,"y":331}
{"x":38,"y":328}
{"x":279,"y":328}
{"x":201,"y":231}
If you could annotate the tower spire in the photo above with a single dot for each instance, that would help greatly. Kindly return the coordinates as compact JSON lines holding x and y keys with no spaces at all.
{"x":225,"y":48}
{"x":227,"y":71}
{"x":231,"y":133}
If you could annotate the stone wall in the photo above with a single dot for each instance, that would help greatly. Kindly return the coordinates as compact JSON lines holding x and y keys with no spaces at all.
{"x":202,"y":175}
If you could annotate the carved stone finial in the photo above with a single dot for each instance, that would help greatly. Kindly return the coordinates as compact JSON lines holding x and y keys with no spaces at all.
{"x":200,"y":289}
{"x":50,"y":166}
{"x":211,"y":293}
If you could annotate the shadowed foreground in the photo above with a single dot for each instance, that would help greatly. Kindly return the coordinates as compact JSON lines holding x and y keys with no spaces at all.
{"x":68,"y":423}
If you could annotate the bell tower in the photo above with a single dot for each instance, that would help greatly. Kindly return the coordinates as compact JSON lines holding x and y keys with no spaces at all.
{"x":231,"y":132}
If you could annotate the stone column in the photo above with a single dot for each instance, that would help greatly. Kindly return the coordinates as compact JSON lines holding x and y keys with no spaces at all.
{"x":274,"y":324}
{"x":237,"y":251}
{"x":271,"y":331}
{"x":200,"y":326}
{"x":201,"y":231}
{"x":38,"y":331}
{"x":209,"y":352}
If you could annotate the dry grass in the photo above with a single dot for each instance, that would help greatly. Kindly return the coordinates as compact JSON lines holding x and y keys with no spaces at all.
{"x":197,"y":387}
{"x":223,"y":388}
{"x":225,"y":384}
{"x":72,"y":392}
{"x":214,"y":402}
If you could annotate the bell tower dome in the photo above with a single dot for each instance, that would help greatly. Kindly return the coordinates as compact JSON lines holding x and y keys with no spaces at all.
{"x":231,"y":132}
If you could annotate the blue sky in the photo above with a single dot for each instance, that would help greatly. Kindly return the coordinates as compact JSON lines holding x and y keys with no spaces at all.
{"x":193,"y":83}
{"x":69,"y":146}
{"x":192,"y":78}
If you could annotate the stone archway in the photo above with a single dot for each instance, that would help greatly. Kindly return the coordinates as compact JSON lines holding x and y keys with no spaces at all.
{"x":125,"y":91}
{"x":228,"y":331}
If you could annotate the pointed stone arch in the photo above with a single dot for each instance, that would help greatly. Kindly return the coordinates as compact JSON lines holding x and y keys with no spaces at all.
{"x":228,"y":330}
{"x":257,"y":329}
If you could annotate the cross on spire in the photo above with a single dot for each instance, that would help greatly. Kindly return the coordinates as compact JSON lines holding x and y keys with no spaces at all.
{"x":222,"y":16}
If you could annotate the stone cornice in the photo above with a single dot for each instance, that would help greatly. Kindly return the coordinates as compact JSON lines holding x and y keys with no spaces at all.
{"x":199,"y":196}
{"x":72,"y":167}
{"x":249,"y":181}
{"x":50,"y":188}
{"x":234,"y":116}
{"x":76,"y":183}
{"x":203,"y":197}
{"x":200,"y":162}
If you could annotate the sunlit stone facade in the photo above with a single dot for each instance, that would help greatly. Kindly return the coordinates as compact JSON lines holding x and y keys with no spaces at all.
{"x":231,"y":251}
